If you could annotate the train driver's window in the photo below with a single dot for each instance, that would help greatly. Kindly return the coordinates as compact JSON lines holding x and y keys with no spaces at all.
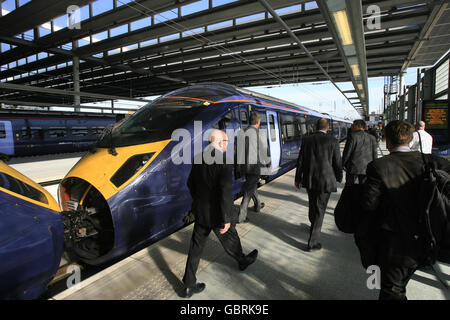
{"x":223,"y":123}
{"x":2,"y":131}
{"x":12,"y":184}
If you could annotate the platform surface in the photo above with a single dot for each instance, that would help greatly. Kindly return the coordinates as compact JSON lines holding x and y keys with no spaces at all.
{"x":284,"y":269}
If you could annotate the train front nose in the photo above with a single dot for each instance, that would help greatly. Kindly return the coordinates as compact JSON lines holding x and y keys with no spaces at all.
{"x":90,"y":223}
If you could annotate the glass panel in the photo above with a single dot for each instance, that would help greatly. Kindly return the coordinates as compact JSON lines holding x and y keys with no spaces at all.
{"x":153,"y":122}
{"x":2,"y":131}
{"x":19,"y":187}
{"x":273,"y":137}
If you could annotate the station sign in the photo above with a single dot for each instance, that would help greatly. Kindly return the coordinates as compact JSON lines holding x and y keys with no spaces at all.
{"x":435,"y":114}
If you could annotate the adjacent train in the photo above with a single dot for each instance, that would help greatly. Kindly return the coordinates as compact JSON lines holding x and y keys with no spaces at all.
{"x":49,"y":132}
{"x":129,"y":192}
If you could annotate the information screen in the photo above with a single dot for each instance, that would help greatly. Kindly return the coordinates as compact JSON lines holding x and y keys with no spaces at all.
{"x":436,"y":114}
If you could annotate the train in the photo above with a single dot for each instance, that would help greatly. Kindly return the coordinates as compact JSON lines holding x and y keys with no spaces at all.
{"x":27,"y":134}
{"x":127,"y":192}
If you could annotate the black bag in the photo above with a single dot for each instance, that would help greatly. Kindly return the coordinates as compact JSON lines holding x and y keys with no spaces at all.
{"x":348,"y":208}
{"x":433,"y":218}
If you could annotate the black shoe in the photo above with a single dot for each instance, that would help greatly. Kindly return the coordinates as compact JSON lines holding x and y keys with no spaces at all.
{"x":248,"y":260}
{"x":315,"y":247}
{"x":188,"y":292}
{"x":258,"y":209}
{"x":245,"y":221}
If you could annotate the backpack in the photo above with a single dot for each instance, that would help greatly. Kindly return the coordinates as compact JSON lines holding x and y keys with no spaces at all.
{"x":433,"y":218}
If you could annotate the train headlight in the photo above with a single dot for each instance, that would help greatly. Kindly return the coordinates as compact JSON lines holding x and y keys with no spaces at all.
{"x":130,"y":167}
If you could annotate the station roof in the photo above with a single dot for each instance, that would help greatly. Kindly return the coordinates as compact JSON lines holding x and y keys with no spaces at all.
{"x":149,"y":47}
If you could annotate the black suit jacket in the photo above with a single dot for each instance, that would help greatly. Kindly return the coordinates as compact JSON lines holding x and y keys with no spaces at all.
{"x":210,"y":186}
{"x":390,"y":198}
{"x":359,"y":150}
{"x":319,"y":163}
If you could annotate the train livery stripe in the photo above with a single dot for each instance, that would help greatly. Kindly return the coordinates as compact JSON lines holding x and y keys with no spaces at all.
{"x":240,"y":100}
{"x":52,"y":204}
{"x":264,"y":104}
{"x":98,"y":168}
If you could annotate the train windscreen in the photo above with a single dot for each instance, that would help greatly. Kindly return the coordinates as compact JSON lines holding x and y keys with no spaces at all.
{"x":154,"y":122}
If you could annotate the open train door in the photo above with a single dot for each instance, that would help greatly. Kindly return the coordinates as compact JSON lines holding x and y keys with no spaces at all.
{"x":6,"y":138}
{"x":274,"y":139}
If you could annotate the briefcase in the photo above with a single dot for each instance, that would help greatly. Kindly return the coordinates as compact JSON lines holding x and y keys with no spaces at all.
{"x":348,"y":208}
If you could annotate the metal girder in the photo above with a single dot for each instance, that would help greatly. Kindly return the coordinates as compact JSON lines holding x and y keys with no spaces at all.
{"x":18,"y":87}
{"x":35,"y":13}
{"x":438,"y":10}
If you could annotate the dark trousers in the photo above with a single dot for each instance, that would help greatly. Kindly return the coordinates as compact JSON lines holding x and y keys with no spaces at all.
{"x":318,"y":202}
{"x":350,"y":179}
{"x":250,"y":192}
{"x":397,"y":266}
{"x":230,"y":242}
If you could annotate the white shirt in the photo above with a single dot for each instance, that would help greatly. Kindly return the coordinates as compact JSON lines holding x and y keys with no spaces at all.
{"x":427,"y":142}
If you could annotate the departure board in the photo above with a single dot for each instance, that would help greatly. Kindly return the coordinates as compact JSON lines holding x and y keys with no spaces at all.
{"x":436,"y":114}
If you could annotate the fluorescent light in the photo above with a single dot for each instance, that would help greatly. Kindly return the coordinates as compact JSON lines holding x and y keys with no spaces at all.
{"x":340,"y":17}
{"x":355,"y":69}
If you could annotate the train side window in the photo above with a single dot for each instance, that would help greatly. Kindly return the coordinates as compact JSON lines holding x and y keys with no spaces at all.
{"x":57,"y":132}
{"x":79,"y":131}
{"x":310,"y":126}
{"x":273,"y":133}
{"x":288,"y":128}
{"x":2,"y":131}
{"x":301,"y":127}
{"x":35,"y":133}
{"x":12,"y":184}
{"x":97,"y":130}
{"x":263,"y":116}
{"x":243,"y":115}
{"x":223,"y":123}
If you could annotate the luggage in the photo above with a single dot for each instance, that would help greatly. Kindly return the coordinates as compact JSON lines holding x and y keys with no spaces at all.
{"x":348,"y":208}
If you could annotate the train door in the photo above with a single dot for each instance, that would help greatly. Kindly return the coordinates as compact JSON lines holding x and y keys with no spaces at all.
{"x":6,"y":138}
{"x":274,"y":139}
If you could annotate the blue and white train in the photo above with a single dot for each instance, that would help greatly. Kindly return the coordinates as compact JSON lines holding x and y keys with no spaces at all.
{"x":128,"y":192}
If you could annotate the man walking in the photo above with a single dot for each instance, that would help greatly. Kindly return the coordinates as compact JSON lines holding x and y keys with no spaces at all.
{"x":388,"y":233}
{"x":359,"y":150}
{"x":251,"y":162}
{"x":319,"y":166}
{"x":427,"y":139}
{"x":210,"y":185}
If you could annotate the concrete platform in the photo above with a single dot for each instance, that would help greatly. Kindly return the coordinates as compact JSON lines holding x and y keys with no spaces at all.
{"x":47,"y":167}
{"x":284,"y":269}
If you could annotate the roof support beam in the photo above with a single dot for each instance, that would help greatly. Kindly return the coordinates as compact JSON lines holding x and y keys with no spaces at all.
{"x":300,"y":44}
{"x":345,"y":22}
{"x":435,"y":15}
{"x":18,"y":87}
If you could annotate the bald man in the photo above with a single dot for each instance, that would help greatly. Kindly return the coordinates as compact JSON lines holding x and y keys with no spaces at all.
{"x":427,"y":139}
{"x":210,"y":185}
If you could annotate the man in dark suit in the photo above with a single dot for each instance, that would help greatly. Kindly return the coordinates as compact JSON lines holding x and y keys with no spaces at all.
{"x":319,"y":166}
{"x":251,"y":162}
{"x":359,"y":150}
{"x":388,"y":233}
{"x":210,"y":185}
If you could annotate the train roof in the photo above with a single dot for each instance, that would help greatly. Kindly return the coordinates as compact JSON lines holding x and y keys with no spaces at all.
{"x":221,"y":92}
